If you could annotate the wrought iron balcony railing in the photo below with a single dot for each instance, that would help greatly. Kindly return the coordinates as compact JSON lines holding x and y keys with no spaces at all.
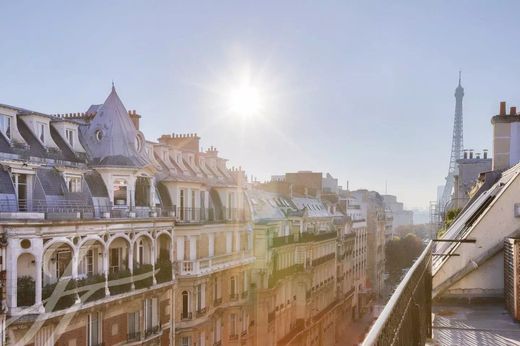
{"x":406,"y":318}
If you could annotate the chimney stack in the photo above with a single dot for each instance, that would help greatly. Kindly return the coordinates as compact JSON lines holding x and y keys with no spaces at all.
{"x":471,"y":153}
{"x":485,"y":151}
{"x":512,"y":111}
{"x":465,"y":154}
{"x":503,"y":108}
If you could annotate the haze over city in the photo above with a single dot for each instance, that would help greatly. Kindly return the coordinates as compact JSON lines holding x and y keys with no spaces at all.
{"x":361,"y":90}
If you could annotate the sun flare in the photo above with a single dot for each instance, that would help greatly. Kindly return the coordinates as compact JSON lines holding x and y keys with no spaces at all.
{"x":245,"y":101}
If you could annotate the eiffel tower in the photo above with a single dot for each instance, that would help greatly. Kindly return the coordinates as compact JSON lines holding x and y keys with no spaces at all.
{"x":457,"y":146}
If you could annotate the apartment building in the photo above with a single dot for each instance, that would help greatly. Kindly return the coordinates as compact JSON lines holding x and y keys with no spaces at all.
{"x":110,"y":238}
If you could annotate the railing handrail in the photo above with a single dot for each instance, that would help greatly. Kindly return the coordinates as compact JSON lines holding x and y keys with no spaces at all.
{"x":374,"y":333}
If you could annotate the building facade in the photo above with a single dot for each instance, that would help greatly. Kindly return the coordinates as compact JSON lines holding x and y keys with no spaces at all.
{"x":109,"y":238}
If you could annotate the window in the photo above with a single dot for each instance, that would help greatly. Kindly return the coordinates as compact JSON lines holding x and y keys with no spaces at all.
{"x":150,"y":315}
{"x":94,"y":335}
{"x":186,"y":341}
{"x":115,"y":259}
{"x":63,"y":259}
{"x":216,"y":330}
{"x":5,"y":125}
{"x":232,"y":325}
{"x":138,"y":143}
{"x":120,"y":192}
{"x":73,"y":183}
{"x":198,"y":289}
{"x":99,"y":135}
{"x":181,"y":204}
{"x":245,"y":321}
{"x":69,"y":135}
{"x":232,"y":288}
{"x":90,"y":262}
{"x":185,"y":305}
{"x":193,"y":204}
{"x":40,"y":131}
{"x":134,"y":332}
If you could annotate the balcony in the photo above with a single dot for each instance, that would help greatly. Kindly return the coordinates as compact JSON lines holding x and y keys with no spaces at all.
{"x":280,"y":274}
{"x":152,"y":331}
{"x":206,"y":215}
{"x":200,"y":312}
{"x":186,"y":316}
{"x":233,"y":296}
{"x":207,"y":265}
{"x":135,"y":336}
{"x":406,"y":319}
{"x":302,"y":238}
{"x":217,"y":302}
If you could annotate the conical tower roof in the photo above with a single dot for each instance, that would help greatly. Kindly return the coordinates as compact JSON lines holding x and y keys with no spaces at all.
{"x":111,"y":138}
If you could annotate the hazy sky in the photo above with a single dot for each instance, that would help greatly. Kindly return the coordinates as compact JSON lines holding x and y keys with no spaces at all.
{"x":363,"y":90}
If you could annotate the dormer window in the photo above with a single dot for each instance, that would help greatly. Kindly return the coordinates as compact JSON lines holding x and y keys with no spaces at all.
{"x":5,"y":125}
{"x":69,"y":135}
{"x":40,"y":131}
{"x":73,"y":183}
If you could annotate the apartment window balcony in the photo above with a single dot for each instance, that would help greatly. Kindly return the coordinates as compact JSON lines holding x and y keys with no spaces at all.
{"x":152,"y":331}
{"x":133,"y":336}
{"x":210,"y":264}
{"x":271,"y":316}
{"x":217,"y":343}
{"x":233,"y":296}
{"x":201,"y":312}
{"x":186,"y":316}
{"x":244,"y":332}
{"x":245,"y":294}
{"x":217,"y":302}
{"x":233,"y":337}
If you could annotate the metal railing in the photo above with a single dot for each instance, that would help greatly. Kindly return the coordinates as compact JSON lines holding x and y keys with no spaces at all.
{"x":57,"y":209}
{"x":406,"y":318}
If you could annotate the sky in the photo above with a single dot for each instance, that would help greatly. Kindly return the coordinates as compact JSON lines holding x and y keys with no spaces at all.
{"x":363,"y":90}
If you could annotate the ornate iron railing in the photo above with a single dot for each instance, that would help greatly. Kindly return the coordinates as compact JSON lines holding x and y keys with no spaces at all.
{"x":406,"y":318}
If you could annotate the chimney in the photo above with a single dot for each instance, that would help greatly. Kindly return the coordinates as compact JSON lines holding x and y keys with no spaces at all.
{"x":471,"y":153}
{"x":503,"y":108}
{"x":465,"y":154}
{"x":485,"y":151}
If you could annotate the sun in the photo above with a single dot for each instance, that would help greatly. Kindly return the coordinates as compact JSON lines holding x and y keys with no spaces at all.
{"x":245,"y":101}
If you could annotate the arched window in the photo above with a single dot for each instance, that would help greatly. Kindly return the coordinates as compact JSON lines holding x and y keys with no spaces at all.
{"x":185,"y":305}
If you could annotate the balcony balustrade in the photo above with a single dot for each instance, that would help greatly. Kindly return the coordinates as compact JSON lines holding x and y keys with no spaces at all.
{"x":217,"y":302}
{"x":156,"y":330}
{"x":186,"y":316}
{"x":78,"y":209}
{"x":406,"y":318}
{"x":203,"y":266}
{"x":233,"y":296}
{"x":302,"y":238}
{"x":135,"y":336}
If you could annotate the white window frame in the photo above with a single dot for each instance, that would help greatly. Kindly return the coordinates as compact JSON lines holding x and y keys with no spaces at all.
{"x":99,"y":321}
{"x":5,"y":125}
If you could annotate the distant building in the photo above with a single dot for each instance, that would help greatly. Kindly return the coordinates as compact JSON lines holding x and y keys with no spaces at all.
{"x":469,"y":169}
{"x":400,"y":216}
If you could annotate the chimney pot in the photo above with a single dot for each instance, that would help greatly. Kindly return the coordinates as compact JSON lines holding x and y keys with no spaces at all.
{"x":503,"y":108}
{"x":512,"y":111}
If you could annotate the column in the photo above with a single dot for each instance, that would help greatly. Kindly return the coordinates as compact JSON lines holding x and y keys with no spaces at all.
{"x":131,"y":264}
{"x":38,"y":283}
{"x":105,"y":270}
{"x":154,"y":259}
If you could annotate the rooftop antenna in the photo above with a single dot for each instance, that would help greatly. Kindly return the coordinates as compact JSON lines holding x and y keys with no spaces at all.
{"x":386,"y":187}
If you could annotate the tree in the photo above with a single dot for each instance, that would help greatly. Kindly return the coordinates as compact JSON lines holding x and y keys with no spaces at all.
{"x":400,"y":254}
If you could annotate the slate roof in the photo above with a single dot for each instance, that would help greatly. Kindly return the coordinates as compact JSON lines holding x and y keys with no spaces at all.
{"x":116,"y":146}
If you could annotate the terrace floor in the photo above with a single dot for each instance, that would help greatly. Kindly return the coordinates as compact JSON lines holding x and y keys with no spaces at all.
{"x":474,"y":324}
